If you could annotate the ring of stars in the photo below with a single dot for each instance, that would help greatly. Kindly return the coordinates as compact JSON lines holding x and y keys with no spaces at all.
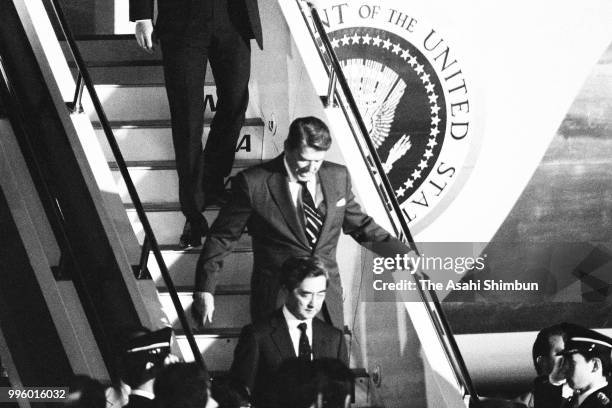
{"x":419,"y":69}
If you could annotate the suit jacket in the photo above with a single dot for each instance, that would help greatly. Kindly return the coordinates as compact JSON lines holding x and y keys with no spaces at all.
{"x":545,"y":394}
{"x":137,"y":401}
{"x":262,"y":348}
{"x":183,"y":17}
{"x":261,"y":201}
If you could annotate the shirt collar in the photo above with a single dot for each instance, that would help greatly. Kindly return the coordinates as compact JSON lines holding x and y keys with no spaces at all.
{"x":556,"y":383}
{"x":142,"y":393}
{"x":290,"y":175}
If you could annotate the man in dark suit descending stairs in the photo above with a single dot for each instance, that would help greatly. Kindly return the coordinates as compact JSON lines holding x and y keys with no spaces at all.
{"x":292,"y":331}
{"x":191,"y":33}
{"x":294,"y":205}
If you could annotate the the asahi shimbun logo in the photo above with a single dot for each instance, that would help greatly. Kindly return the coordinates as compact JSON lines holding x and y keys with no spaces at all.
{"x":412,"y":95}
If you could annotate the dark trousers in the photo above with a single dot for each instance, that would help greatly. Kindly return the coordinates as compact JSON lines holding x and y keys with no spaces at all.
{"x":184,"y":61}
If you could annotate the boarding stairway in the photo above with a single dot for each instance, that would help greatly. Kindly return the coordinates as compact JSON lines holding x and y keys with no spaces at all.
{"x":130,"y":84}
{"x":124,"y":77}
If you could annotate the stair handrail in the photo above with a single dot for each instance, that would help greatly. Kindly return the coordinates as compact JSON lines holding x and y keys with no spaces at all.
{"x":370,"y":155}
{"x":85,"y":80}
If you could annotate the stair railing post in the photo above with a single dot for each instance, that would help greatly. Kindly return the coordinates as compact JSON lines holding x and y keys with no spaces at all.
{"x":76,"y":106}
{"x":331,"y":90}
{"x":143,"y":272}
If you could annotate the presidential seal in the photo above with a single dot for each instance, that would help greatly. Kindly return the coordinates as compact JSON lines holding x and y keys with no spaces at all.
{"x":413,"y":98}
{"x":400,"y":99}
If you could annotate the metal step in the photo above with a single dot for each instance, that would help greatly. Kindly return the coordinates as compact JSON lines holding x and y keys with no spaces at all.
{"x":145,"y":102}
{"x":117,"y":59}
{"x":166,"y":219}
{"x":181,"y":263}
{"x":157,"y":181}
{"x":216,"y":345}
{"x":231,"y":306}
{"x":111,"y":48}
{"x":151,"y":140}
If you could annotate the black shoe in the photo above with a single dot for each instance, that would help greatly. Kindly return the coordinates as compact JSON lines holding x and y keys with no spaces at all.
{"x":193,"y":233}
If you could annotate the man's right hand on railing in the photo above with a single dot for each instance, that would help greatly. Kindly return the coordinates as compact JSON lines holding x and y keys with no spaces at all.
{"x":203,"y":307}
{"x":144,"y":35}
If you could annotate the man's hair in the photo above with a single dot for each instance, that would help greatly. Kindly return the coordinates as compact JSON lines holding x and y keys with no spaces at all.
{"x":541,"y":346}
{"x":308,"y":131}
{"x":182,"y":385}
{"x":299,"y":382}
{"x":297,"y":268}
{"x":334,"y":380}
{"x":229,"y":392}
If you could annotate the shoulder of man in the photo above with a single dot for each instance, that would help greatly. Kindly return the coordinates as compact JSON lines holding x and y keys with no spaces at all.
{"x":334,"y":167}
{"x":262,"y":169}
{"x":599,"y":399}
{"x":265,"y":327}
{"x":326,"y":328}
{"x":604,"y":396}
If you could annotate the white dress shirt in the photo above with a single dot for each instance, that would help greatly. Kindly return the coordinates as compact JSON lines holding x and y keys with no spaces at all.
{"x":314,"y":187}
{"x":294,"y":332}
{"x":142,"y":393}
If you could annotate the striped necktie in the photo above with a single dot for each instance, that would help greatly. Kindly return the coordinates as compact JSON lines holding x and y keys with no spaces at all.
{"x":312,"y":216}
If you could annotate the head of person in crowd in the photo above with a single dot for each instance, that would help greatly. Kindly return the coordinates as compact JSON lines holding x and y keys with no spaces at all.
{"x":586,"y":359}
{"x":333,"y":383}
{"x":545,"y":352}
{"x":85,"y":392}
{"x":183,"y":385}
{"x":306,"y":146}
{"x":143,"y":356}
{"x":294,"y":384}
{"x":320,"y":383}
{"x":230,"y":393}
{"x":305,"y":279}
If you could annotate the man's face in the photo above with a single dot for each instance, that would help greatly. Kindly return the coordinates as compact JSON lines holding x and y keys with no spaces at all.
{"x":552,"y":363}
{"x":305,"y":162}
{"x":305,"y":301}
{"x":578,"y":371}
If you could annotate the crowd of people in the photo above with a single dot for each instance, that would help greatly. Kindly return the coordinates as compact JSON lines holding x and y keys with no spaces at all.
{"x":573,"y":366}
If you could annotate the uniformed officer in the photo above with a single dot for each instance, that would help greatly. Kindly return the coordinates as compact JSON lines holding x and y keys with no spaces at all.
{"x":144,"y":355}
{"x":588,"y":365}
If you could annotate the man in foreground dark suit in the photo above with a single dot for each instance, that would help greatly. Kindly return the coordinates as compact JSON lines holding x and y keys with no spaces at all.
{"x":292,"y":331}
{"x":293,"y":205}
{"x":549,"y":387}
{"x":192,"y":33}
